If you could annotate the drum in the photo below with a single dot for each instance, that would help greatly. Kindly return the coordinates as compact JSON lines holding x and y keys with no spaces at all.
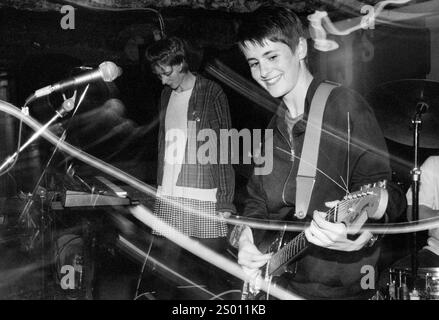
{"x":402,"y":286}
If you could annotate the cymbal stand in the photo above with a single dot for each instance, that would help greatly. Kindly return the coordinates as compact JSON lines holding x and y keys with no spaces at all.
{"x":421,"y":108}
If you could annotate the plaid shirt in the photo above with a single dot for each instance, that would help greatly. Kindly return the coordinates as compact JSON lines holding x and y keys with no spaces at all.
{"x":209,"y":109}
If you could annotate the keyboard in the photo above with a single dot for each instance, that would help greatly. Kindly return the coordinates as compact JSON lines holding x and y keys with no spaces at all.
{"x":94,"y":192}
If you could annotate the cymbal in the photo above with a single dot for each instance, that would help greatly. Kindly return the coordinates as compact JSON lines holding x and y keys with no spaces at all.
{"x":395,"y":104}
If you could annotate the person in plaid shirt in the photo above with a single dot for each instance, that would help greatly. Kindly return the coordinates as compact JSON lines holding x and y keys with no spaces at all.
{"x":191,"y":193}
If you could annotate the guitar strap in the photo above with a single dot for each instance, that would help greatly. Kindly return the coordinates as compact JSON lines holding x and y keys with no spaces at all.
{"x":308,"y":163}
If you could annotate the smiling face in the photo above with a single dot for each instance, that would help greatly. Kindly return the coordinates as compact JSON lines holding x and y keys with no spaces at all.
{"x":274,"y":65}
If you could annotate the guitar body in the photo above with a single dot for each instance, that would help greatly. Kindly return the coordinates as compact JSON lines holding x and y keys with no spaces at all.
{"x":286,"y":248}
{"x":276,"y":281}
{"x":280,"y":276}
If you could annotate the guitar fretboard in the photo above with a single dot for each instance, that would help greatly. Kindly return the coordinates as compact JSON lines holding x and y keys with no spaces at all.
{"x":288,"y":252}
{"x":292,"y":249}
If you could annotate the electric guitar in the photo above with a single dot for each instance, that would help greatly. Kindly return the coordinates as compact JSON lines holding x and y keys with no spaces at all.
{"x":353,"y":211}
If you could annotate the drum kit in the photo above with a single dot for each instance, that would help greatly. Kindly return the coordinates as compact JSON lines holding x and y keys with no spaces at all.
{"x":408,"y":113}
{"x":403,"y":286}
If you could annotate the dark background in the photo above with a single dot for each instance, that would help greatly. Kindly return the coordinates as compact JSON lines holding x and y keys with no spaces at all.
{"x":117,"y":122}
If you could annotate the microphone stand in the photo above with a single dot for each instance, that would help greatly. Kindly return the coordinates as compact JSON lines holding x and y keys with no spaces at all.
{"x":67,"y":106}
{"x":416,"y":176}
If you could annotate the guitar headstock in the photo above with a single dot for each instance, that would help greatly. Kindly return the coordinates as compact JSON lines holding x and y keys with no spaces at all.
{"x":356,"y":207}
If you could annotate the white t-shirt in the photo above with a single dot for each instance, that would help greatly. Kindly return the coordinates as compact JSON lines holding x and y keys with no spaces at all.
{"x":176,"y":135}
{"x":175,"y":138}
{"x":429,"y":196}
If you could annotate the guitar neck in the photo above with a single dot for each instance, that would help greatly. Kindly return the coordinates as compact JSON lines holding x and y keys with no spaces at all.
{"x":294,"y":248}
{"x":288,"y":253}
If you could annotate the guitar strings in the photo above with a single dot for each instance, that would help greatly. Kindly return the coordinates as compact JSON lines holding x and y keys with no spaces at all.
{"x":292,"y":248}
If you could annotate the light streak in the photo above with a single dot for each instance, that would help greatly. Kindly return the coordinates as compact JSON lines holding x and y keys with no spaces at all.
{"x":319,"y":19}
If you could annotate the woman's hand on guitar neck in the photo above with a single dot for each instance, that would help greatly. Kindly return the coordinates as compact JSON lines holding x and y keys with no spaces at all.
{"x":333,"y":235}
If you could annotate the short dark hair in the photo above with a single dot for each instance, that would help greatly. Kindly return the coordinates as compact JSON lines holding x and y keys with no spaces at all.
{"x":274,"y":23}
{"x":168,"y":52}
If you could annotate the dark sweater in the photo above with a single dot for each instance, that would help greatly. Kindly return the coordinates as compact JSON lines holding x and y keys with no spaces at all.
{"x":324,"y":273}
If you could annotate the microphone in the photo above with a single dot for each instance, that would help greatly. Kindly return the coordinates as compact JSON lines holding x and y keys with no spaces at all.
{"x":107,"y":71}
